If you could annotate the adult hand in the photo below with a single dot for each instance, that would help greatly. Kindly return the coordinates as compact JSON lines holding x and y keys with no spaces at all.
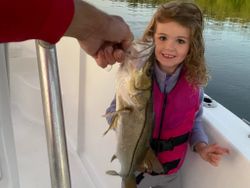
{"x":109,"y":45}
{"x":211,"y":153}
{"x":104,"y":37}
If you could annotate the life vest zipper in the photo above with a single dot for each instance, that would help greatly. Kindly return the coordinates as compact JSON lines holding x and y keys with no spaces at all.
{"x":162,"y":112}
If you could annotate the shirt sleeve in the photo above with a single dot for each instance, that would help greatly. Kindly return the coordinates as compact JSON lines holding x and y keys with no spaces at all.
{"x":34,"y":19}
{"x":198,"y":133}
{"x":109,"y":110}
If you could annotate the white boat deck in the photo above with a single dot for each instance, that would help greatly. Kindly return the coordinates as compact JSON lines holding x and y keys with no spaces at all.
{"x":32,"y":157}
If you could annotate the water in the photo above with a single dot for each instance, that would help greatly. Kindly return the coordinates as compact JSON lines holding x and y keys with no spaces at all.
{"x":227,"y":40}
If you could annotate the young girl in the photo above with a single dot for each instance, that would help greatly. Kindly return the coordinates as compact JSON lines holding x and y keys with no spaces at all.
{"x":179,"y":73}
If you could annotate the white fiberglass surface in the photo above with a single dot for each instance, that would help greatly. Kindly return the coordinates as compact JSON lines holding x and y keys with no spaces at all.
{"x":29,"y":129}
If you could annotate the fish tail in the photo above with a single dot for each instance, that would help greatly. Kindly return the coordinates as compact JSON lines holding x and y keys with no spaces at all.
{"x":129,"y":182}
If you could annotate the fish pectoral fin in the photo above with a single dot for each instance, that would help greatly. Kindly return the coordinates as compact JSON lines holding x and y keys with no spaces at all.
{"x":112,"y":173}
{"x":115,"y":113}
{"x":113,"y":125}
{"x":110,"y":127}
{"x":113,"y":157}
{"x":109,"y":114}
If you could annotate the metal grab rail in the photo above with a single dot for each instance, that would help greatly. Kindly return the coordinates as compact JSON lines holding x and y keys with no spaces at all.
{"x":53,"y":115}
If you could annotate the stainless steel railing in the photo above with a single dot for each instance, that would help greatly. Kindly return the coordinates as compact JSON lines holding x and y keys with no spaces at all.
{"x":53,"y":115}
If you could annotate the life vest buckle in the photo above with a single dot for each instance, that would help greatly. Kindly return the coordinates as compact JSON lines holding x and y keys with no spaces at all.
{"x":159,"y":145}
{"x":169,"y":145}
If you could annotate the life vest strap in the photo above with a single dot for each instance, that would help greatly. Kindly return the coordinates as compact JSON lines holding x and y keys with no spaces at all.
{"x":166,"y":166}
{"x":159,"y":145}
{"x":170,"y":165}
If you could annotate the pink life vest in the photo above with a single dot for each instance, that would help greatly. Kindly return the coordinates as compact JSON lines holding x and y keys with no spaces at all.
{"x":178,"y":113}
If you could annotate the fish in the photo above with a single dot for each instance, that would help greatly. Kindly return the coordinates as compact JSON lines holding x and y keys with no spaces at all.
{"x":133,"y":118}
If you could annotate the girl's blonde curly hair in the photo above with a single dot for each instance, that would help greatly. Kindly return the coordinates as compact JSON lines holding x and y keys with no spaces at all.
{"x":188,"y":15}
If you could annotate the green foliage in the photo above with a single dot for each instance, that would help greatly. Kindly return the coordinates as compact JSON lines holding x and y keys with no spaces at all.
{"x":234,"y":10}
{"x":220,"y":10}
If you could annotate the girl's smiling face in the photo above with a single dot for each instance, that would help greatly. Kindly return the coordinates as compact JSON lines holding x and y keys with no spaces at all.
{"x":172,"y":43}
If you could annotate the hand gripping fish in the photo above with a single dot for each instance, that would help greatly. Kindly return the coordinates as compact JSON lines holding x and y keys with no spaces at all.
{"x":133,"y":118}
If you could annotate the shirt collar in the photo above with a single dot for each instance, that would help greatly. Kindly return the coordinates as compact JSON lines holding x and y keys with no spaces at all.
{"x":166,"y":82}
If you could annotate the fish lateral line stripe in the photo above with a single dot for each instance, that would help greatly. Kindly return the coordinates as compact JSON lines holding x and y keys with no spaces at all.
{"x":133,"y":157}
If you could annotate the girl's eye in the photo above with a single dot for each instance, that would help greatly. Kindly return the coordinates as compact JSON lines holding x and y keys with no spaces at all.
{"x":181,"y":41}
{"x":162,"y":38}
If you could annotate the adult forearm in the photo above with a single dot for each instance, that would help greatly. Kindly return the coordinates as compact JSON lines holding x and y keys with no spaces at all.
{"x":87,"y":21}
{"x":28,"y":19}
{"x":97,"y":30}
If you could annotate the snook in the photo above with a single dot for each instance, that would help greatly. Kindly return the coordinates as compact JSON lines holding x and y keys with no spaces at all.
{"x":133,"y":118}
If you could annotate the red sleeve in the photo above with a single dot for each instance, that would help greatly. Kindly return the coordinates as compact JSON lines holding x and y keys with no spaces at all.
{"x":34,"y":19}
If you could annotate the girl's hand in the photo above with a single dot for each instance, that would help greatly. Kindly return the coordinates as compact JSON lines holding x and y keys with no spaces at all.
{"x":211,"y":153}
